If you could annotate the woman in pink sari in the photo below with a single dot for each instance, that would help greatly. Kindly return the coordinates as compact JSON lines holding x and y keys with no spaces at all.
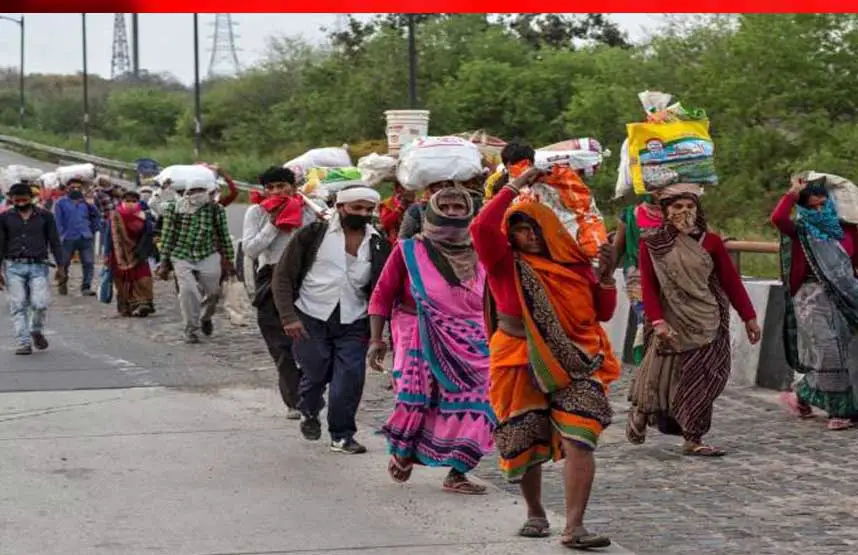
{"x":442,"y":416}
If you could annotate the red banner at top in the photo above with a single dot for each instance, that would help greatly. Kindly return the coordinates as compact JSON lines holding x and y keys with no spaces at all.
{"x":418,"y":6}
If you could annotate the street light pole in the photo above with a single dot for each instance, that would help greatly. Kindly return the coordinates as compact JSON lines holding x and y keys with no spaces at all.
{"x":135,"y":46}
{"x":412,"y":64}
{"x":85,"y":87}
{"x":197,"y":116}
{"x":21,"y":108}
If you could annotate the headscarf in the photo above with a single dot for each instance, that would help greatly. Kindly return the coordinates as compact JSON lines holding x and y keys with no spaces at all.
{"x":354,"y":194}
{"x":822,"y":224}
{"x":663,"y":239}
{"x":560,"y":245}
{"x":447,"y":239}
{"x":291,"y":210}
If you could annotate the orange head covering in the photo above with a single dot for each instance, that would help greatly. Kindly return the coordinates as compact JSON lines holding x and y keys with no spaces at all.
{"x":561,"y":247}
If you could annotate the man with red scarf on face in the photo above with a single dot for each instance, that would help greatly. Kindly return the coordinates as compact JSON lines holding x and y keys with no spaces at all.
{"x":269,"y":225}
{"x":392,"y":210}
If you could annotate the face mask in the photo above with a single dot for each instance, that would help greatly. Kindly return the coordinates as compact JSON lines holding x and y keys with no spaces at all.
{"x":684,"y":220}
{"x":76,"y":195}
{"x":22,"y":207}
{"x":355,"y":221}
{"x":191,"y":203}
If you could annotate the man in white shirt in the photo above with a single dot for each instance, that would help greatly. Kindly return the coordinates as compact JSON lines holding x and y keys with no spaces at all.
{"x":268,"y":227}
{"x":322,"y":286}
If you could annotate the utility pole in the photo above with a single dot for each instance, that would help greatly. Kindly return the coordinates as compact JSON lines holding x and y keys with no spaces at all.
{"x":197,"y":115}
{"x":85,"y":88}
{"x":135,"y":46}
{"x":22,"y":107}
{"x":412,"y":64}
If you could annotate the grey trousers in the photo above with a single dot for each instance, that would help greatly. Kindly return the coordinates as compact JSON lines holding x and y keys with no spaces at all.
{"x":199,"y":290}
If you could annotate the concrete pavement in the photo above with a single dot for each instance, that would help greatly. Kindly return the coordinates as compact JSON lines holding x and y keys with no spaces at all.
{"x":155,"y":470}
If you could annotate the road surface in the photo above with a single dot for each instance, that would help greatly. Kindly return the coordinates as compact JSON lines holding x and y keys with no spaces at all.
{"x":785,"y":488}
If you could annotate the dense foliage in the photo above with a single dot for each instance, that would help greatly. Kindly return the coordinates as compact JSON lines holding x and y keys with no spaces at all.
{"x":780,"y":90}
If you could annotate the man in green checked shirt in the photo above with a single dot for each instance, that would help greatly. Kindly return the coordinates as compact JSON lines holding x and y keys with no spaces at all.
{"x":196,"y":245}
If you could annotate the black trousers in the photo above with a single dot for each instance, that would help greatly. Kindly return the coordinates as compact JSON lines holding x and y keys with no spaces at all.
{"x":278,"y":343}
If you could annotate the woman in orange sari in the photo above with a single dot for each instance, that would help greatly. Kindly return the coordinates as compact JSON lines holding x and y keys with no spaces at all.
{"x":551,"y":361}
{"x":127,"y":251}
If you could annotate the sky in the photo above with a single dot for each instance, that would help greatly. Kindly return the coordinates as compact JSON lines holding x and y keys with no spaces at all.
{"x":53,"y":41}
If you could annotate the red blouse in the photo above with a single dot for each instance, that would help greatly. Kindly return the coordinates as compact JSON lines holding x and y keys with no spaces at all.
{"x":726,"y":273}
{"x":799,"y":270}
{"x":495,"y":252}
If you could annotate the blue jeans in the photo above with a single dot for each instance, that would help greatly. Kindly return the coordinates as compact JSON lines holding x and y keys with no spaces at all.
{"x":84,"y":247}
{"x":334,"y":354}
{"x":29,"y":294}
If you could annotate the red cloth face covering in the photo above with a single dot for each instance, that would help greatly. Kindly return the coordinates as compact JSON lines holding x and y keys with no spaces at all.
{"x":292,"y":213}
{"x":256,"y":197}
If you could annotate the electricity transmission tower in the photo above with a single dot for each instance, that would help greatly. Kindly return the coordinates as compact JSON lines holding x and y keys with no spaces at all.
{"x":120,"y":63}
{"x":224,"y":59}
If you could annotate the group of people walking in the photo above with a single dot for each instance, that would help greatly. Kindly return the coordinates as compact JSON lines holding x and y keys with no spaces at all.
{"x":494,"y":314}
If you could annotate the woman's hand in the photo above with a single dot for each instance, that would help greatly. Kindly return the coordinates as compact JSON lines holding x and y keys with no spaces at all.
{"x":375,"y":355}
{"x":752,"y":328}
{"x":606,"y":264}
{"x":797,"y":185}
{"x":664,"y":332}
{"x":528,"y":178}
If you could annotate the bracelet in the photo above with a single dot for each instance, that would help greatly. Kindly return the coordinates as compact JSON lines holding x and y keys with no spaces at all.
{"x":657,"y":322}
{"x":513,"y":189}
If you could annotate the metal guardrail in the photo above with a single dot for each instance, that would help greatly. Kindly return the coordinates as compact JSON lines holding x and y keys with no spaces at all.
{"x":119,"y":168}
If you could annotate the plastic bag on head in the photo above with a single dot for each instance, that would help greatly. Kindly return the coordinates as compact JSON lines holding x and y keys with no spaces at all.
{"x":375,"y":168}
{"x":430,"y":160}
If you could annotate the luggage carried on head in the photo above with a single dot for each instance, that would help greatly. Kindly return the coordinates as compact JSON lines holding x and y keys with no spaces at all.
{"x":429,"y":160}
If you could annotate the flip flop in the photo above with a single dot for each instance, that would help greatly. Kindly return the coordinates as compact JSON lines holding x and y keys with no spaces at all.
{"x":399,"y":473}
{"x":582,"y":539}
{"x":703,"y":450}
{"x":463,"y":487}
{"x":838,"y":424}
{"x":535,"y":527}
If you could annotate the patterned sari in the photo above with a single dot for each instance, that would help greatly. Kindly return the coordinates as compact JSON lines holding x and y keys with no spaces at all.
{"x":442,"y":416}
{"x":549,"y":382}
{"x":820,"y":325}
{"x":128,"y":252}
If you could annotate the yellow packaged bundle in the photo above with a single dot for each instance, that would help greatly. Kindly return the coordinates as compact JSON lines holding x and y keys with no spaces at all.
{"x":662,"y":154}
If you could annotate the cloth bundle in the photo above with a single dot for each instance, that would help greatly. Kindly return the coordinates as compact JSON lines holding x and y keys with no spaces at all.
{"x":327,"y":157}
{"x":570,"y":198}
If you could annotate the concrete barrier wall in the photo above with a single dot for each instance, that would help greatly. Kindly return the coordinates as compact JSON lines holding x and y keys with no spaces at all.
{"x":761,"y":365}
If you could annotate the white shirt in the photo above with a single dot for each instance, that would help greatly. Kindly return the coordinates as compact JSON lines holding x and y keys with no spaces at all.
{"x":263,"y":241}
{"x":334,"y":279}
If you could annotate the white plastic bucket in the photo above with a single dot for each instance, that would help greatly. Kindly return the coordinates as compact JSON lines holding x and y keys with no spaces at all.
{"x":403,"y":126}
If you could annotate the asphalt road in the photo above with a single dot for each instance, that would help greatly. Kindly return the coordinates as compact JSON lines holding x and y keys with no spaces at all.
{"x":91,"y":349}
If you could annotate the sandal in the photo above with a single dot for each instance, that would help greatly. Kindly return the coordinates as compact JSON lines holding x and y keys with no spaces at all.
{"x":535,"y":527}
{"x":702,"y":450}
{"x":838,"y":424}
{"x":399,"y":472}
{"x":460,"y":484}
{"x":789,"y":400}
{"x":580,"y":538}
{"x":635,"y":435}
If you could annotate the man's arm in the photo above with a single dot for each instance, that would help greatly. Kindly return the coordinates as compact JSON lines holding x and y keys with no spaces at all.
{"x":258,"y":232}
{"x":222,"y":229}
{"x":60,"y":211}
{"x":285,"y":275}
{"x":53,"y":236}
{"x":168,"y":239}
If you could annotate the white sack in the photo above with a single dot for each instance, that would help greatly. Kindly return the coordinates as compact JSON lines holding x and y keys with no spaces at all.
{"x":50,"y":180}
{"x":429,"y":160}
{"x":328,"y":157}
{"x":376,"y":168}
{"x":194,"y":176}
{"x":84,"y":172}
{"x":624,"y":184}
